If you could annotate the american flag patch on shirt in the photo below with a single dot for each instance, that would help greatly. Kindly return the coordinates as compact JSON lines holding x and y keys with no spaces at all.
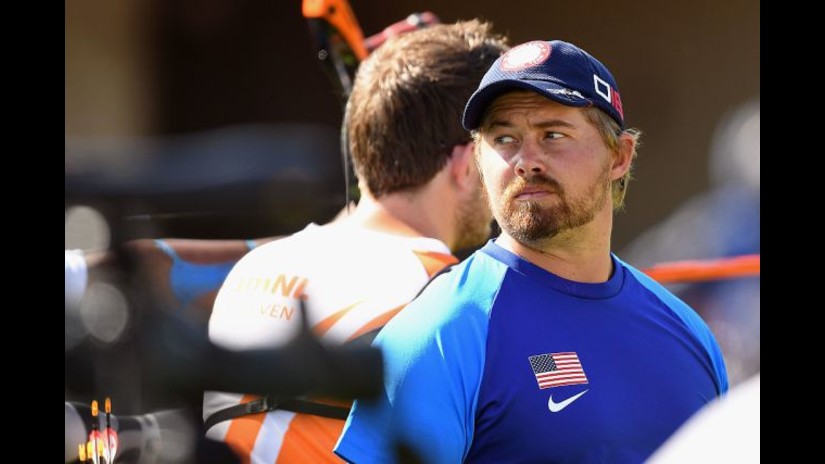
{"x":557,"y":369}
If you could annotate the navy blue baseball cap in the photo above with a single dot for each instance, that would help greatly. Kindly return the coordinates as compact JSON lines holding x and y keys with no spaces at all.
{"x":557,"y":70}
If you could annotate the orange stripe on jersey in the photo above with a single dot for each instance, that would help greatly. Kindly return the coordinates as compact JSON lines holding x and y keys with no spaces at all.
{"x":310,"y":439}
{"x":243,"y":431}
{"x":377,"y":322}
{"x":322,"y":327}
{"x":434,"y":261}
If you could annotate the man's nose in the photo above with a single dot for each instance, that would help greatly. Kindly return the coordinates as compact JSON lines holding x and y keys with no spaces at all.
{"x":530,"y":160}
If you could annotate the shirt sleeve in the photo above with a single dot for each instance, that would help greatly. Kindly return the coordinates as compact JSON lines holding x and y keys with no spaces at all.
{"x":697,"y":327}
{"x":434,"y":358}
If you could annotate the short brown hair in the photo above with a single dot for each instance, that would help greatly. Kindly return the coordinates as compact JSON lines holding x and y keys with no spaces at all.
{"x":404,"y":113}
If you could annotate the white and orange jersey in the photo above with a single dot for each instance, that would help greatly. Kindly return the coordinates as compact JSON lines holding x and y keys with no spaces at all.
{"x":353,"y":280}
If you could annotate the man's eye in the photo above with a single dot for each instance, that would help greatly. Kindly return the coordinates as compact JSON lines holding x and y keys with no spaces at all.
{"x":504,"y":139}
{"x":554,"y":135}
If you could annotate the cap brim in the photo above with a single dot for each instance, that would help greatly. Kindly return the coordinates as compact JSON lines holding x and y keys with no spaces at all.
{"x":481,"y":99}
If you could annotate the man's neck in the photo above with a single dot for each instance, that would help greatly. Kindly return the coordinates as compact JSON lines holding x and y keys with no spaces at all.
{"x":580,"y":255}
{"x":403,"y":213}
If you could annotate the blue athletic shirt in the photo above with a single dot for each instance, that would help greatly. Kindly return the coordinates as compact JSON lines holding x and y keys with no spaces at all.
{"x":499,"y":360}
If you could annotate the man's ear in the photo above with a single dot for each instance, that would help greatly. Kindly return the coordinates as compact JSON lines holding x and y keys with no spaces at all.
{"x":461,"y":165}
{"x":623,"y":156}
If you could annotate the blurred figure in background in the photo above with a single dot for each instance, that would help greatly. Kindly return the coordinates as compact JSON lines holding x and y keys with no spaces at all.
{"x":420,"y":203}
{"x":721,"y":222}
{"x":181,"y":274}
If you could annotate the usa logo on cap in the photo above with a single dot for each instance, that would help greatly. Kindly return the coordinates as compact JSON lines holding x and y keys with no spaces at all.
{"x":554,"y":69}
{"x":525,"y":55}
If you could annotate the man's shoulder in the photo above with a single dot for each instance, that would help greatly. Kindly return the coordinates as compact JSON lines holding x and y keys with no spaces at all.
{"x":309,"y":236}
{"x":688,"y":316}
{"x":475,"y":266}
{"x":472,"y":283}
{"x":659,"y":291}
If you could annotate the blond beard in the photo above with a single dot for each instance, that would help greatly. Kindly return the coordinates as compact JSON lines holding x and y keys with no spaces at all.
{"x":530,"y":222}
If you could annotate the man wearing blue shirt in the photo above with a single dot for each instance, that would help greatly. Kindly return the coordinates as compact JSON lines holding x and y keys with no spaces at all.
{"x":543,"y":346}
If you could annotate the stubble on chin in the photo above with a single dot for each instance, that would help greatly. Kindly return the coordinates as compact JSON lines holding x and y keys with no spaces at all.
{"x":534,"y":222}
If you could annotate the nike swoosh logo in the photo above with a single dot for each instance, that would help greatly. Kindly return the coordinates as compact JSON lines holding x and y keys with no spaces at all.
{"x":556,"y":407}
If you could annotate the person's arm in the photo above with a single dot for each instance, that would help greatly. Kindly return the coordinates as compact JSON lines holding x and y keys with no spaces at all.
{"x":199,"y":268}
